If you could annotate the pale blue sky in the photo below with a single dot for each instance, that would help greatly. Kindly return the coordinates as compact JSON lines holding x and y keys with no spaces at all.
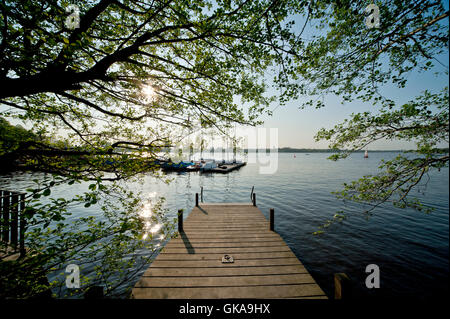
{"x":296,"y":128}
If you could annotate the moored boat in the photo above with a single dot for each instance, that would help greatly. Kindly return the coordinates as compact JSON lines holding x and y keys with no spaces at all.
{"x":181,"y":166}
{"x":208,"y":165}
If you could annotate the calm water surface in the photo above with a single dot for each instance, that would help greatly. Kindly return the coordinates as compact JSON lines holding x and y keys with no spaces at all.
{"x":411,"y":248}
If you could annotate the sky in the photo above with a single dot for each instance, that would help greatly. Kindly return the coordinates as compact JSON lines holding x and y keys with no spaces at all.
{"x":296,"y":127}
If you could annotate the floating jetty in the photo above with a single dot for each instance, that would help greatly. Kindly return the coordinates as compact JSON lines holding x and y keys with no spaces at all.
{"x":226,"y":250}
{"x":226,"y":168}
{"x":217,"y":167}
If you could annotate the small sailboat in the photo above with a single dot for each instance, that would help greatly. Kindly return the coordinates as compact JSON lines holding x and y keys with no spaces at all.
{"x":208,"y":165}
{"x":366,"y":154}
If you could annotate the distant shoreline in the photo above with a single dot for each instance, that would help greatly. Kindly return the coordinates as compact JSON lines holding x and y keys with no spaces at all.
{"x":313,"y":150}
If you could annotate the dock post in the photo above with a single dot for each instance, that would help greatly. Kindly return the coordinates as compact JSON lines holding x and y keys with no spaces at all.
{"x":1,"y":214}
{"x":342,"y":286}
{"x":14,"y":208}
{"x":180,"y":220}
{"x":254,"y":199}
{"x":22,"y":226}
{"x":196,"y":199}
{"x":272,"y":219}
{"x":5,"y":230}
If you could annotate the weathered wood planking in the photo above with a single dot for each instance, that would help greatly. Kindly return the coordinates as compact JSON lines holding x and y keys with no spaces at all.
{"x":190,"y":266}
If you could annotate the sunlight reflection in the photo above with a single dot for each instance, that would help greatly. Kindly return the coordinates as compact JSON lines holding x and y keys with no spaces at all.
{"x":146,"y":211}
{"x":149,"y":92}
{"x":155,"y":228}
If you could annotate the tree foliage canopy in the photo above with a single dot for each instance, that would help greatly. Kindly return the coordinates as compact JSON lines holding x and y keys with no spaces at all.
{"x":12,"y":136}
{"x":357,"y":63}
{"x":347,"y":58}
{"x":134,"y":69}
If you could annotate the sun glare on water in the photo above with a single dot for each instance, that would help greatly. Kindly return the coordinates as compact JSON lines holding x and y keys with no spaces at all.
{"x":155,"y":228}
{"x":146,"y":211}
{"x":152,"y":224}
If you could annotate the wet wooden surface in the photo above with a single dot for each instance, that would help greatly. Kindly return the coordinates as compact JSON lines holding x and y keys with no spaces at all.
{"x":190,"y":266}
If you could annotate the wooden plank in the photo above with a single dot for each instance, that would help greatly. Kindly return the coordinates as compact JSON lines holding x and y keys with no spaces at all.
{"x":232,"y":232}
{"x":223,"y":250}
{"x":210,"y":272}
{"x":226,"y":281}
{"x":224,"y":204}
{"x":227,"y":244}
{"x":232,"y":224}
{"x":305,"y":297}
{"x":219,"y":264}
{"x":190,"y":266}
{"x":251,"y":255}
{"x":227,"y":219}
{"x":226,"y":240}
{"x":260,"y":292}
{"x":227,"y":235}
{"x":225,"y":229}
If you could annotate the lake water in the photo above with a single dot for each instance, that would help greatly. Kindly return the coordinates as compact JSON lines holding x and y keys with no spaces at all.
{"x":410,"y":247}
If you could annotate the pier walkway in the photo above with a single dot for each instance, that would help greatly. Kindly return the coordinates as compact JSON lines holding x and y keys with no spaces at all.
{"x":193,"y":266}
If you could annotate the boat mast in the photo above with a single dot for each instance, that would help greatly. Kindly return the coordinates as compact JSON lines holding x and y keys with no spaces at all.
{"x":234,"y":144}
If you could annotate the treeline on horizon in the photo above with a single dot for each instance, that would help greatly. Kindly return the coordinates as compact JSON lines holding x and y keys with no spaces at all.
{"x":327,"y":150}
{"x":296,"y":150}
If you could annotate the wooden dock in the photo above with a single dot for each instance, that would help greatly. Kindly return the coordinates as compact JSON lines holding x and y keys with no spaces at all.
{"x":190,"y":266}
{"x":226,"y":168}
